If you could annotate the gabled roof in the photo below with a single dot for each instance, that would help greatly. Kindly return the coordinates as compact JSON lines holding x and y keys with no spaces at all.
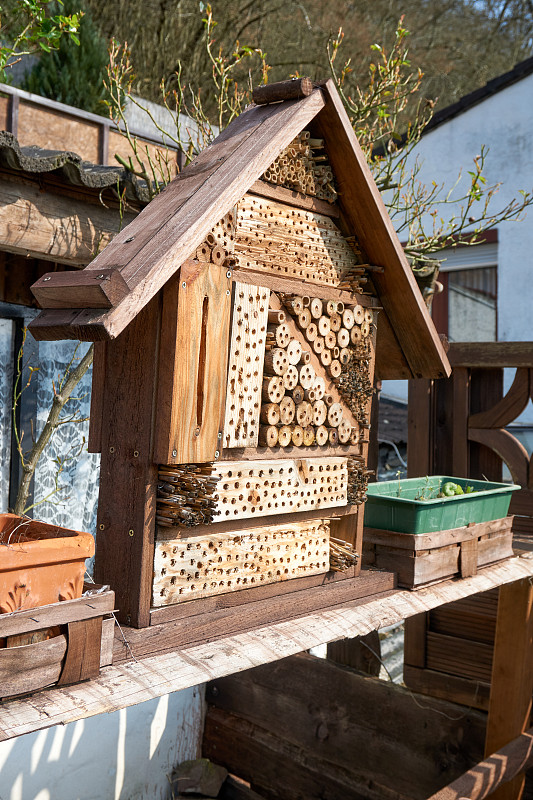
{"x":145,"y":255}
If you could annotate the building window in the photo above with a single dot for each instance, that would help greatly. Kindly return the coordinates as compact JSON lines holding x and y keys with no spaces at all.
{"x":466,"y":309}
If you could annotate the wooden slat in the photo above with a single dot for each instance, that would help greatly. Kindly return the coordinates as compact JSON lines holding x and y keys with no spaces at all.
{"x":282,"y":195}
{"x":287,"y":285}
{"x":82,"y":660}
{"x":193,"y":357}
{"x":509,"y":407}
{"x":31,"y":666}
{"x":428,"y":541}
{"x":61,"y":613}
{"x":123,"y":685}
{"x":365,"y":215}
{"x":491,"y":354}
{"x":492,"y":776}
{"x":415,"y":640}
{"x":468,"y":692}
{"x":44,"y":224}
{"x":151,"y":248}
{"x":128,"y":475}
{"x":512,"y":677}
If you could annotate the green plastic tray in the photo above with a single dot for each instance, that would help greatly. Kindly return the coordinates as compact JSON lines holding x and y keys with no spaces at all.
{"x":392,"y":505}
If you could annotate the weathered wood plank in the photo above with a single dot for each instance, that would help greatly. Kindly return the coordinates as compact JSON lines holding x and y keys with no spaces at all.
{"x":82,"y":660}
{"x":388,"y":753}
{"x":419,"y":415}
{"x":123,"y":685}
{"x":47,"y":225}
{"x":31,"y":666}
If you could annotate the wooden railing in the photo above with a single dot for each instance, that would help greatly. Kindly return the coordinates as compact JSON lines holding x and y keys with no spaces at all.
{"x":459,"y":425}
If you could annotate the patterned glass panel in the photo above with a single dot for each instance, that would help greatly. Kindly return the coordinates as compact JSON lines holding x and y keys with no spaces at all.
{"x":6,"y":378}
{"x":75,"y":505}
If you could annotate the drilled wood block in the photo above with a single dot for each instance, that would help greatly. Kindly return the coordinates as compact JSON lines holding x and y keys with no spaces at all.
{"x":245,"y":371}
{"x":187,"y":569}
{"x":260,"y":488}
{"x":281,"y":239}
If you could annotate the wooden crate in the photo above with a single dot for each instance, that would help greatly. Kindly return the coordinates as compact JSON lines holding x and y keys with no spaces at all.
{"x":449,"y":650}
{"x":426,"y":558}
{"x":59,"y":644}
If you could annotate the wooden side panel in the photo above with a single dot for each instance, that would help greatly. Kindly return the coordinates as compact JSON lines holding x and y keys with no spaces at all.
{"x":245,"y":368}
{"x":97,"y":398}
{"x":193,"y":364}
{"x":190,"y":568}
{"x":31,"y":666}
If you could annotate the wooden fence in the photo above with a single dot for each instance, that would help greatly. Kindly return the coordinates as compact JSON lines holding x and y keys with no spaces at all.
{"x":458,"y":426}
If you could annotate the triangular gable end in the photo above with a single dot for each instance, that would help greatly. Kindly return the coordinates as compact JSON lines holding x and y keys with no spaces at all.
{"x":146,"y":254}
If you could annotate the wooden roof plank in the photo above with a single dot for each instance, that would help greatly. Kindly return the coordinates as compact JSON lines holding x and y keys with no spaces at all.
{"x":365,"y":213}
{"x":153,"y":246}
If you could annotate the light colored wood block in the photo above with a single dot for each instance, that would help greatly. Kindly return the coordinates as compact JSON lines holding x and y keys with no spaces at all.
{"x":245,"y":369}
{"x":186,"y":569}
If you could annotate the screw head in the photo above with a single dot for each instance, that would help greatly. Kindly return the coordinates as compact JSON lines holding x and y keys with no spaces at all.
{"x":100,"y":277}
{"x":101,"y":526}
{"x":111,"y":449}
{"x":219,"y":436}
{"x":183,"y":285}
{"x":228,"y":292}
{"x":174,"y":453}
{"x":130,"y":532}
{"x":228,"y":274}
{"x":135,"y":454}
{"x":217,"y":453}
{"x":46,"y":279}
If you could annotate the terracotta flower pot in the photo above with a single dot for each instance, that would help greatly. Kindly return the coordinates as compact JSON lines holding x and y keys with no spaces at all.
{"x":40,"y":563}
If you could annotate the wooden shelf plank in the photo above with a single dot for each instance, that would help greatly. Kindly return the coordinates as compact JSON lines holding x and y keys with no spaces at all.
{"x":136,"y":681}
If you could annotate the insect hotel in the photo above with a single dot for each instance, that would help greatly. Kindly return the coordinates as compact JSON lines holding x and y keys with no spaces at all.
{"x":239,"y":324}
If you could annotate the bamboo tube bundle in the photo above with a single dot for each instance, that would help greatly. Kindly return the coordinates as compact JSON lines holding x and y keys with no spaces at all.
{"x":273,"y":389}
{"x":297,"y":435}
{"x":309,"y":436}
{"x":304,"y":414}
{"x":319,"y":387}
{"x":186,"y":495}
{"x":358,"y":476}
{"x":342,"y":555}
{"x":311,"y":332}
{"x":281,"y":333}
{"x":284,"y":436}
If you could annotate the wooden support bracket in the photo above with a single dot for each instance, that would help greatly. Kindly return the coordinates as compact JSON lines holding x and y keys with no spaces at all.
{"x":84,"y":289}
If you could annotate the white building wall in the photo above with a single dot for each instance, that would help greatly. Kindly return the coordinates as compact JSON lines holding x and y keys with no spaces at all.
{"x":126,"y":755}
{"x":503,"y":123}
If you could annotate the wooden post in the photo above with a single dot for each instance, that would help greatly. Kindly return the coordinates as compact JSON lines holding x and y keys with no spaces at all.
{"x":461,"y":410}
{"x":128,"y":476}
{"x":420,"y":426}
{"x":512,"y":676}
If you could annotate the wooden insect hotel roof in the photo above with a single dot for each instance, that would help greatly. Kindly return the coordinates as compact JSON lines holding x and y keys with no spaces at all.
{"x":98,"y":302}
